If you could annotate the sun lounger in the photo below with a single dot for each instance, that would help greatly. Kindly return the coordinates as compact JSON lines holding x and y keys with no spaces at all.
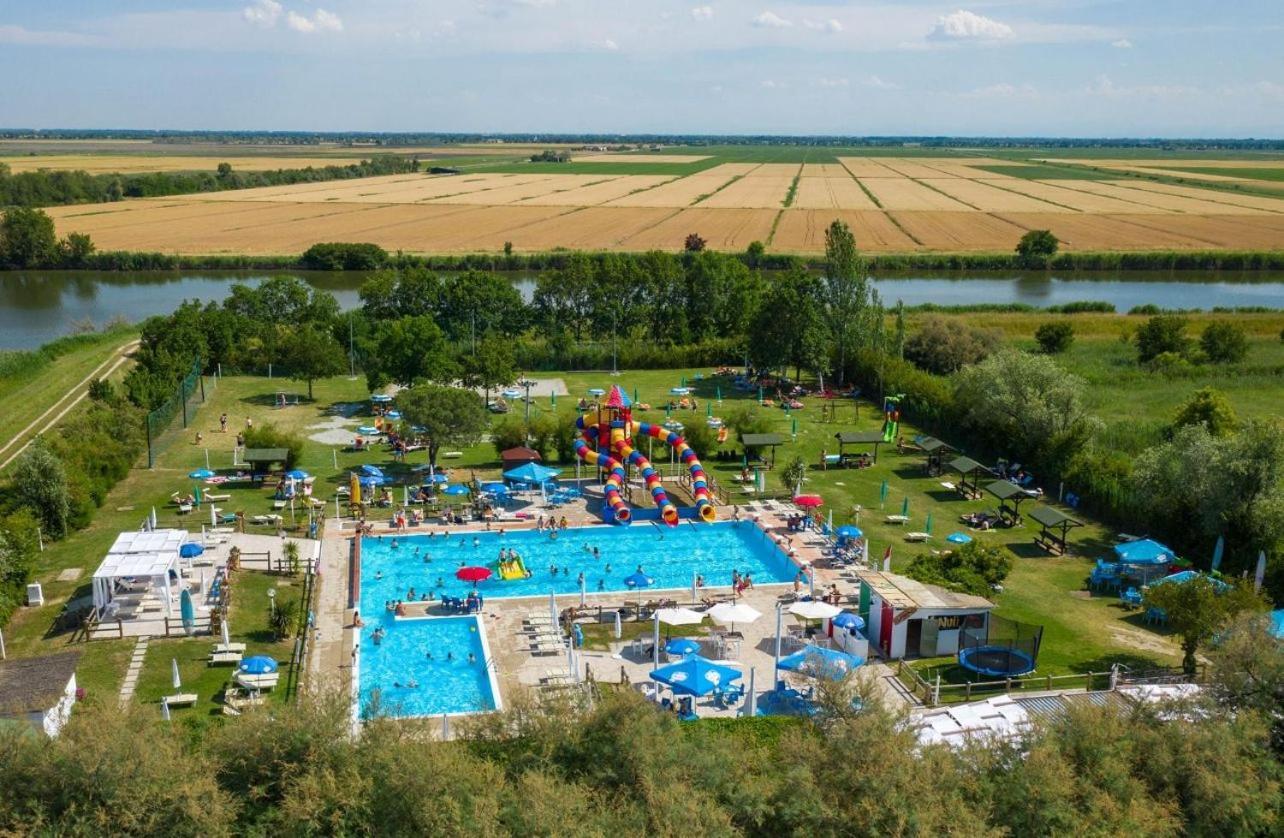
{"x":230,"y":647}
{"x":225,"y":658}
{"x":917,"y":536}
{"x":258,"y":682}
{"x":210,"y":496}
{"x":897,"y":519}
{"x":265,"y":519}
{"x":181,"y":700}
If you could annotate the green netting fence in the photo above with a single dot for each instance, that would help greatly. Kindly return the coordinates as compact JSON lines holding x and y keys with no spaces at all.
{"x":188,"y":394}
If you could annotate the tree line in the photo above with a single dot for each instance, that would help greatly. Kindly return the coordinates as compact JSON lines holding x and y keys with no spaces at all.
{"x":615,"y":764}
{"x":57,"y":187}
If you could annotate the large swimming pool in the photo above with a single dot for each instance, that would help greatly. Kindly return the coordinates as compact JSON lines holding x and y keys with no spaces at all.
{"x":670,"y":556}
{"x":426,"y":667}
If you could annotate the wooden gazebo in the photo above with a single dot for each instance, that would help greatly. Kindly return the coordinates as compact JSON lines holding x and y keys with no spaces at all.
{"x":755,"y":442}
{"x":970,"y":474}
{"x":1056,"y":526}
{"x":1008,"y":493}
{"x":846,"y":438}
{"x":936,"y":450}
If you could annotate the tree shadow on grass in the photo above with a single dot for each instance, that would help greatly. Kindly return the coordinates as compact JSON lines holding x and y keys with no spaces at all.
{"x":1132,"y":660}
{"x":272,"y":400}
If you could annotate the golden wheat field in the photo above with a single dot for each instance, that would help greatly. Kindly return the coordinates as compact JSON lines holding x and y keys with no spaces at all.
{"x":893,"y":205}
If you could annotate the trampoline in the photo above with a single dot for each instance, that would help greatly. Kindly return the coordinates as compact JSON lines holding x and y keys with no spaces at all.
{"x":996,"y":661}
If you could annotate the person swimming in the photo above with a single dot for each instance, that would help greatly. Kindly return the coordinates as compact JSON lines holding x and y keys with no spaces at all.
{"x":394,"y":544}
{"x":597,"y":554}
{"x":378,"y":574}
{"x":601,"y":584}
{"x":476,"y":542}
{"x":450,"y":656}
{"x":608,"y":567}
{"x":472,"y":658}
{"x":428,"y":654}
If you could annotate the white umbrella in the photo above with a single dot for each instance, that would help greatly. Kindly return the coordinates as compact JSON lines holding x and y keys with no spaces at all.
{"x":178,"y":682}
{"x":814,"y":610}
{"x":811,"y":581}
{"x":151,"y":522}
{"x":671,"y":617}
{"x":213,"y":515}
{"x":619,"y":627}
{"x":751,"y":700}
{"x":571,"y":668}
{"x":732,"y":613}
{"x":695,"y":597}
{"x":227,"y":638}
{"x":165,"y":709}
{"x":583,"y":591}
{"x":552,"y":609}
{"x":1260,"y":575}
{"x":445,"y":726}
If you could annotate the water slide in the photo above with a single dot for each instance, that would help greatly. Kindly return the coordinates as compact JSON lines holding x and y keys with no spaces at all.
{"x":612,"y":455}
{"x":513,"y":568}
{"x":891,"y":417}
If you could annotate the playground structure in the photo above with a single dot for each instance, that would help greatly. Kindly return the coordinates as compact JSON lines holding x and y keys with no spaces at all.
{"x":606,"y":441}
{"x":891,"y":417}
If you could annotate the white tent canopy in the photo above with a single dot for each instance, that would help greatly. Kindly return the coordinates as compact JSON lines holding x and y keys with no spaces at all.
{"x":140,"y":556}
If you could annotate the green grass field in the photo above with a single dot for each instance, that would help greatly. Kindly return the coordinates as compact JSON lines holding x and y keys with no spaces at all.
{"x":1048,"y":172}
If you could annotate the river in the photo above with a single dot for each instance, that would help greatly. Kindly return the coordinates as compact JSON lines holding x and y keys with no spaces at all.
{"x":38,"y":306}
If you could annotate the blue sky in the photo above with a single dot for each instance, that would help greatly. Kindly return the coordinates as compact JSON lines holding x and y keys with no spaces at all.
{"x":1186,"y":68}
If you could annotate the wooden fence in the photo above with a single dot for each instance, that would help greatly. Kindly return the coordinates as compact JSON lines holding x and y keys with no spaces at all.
{"x":932,"y":693}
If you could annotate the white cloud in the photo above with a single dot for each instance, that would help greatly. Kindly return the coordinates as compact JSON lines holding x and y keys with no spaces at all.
{"x":964,"y":25}
{"x":610,"y":46}
{"x":772,"y":84}
{"x":702,"y":12}
{"x":1003,"y":90}
{"x":771,"y":20}
{"x":831,"y":25}
{"x":44,"y":38}
{"x":321,"y":21}
{"x":823,"y":82}
{"x":879,"y":84}
{"x":1122,"y":43}
{"x":263,"y":13}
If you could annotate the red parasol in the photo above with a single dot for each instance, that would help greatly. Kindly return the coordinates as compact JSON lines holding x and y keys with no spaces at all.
{"x":473,"y":574}
{"x":808,"y":501}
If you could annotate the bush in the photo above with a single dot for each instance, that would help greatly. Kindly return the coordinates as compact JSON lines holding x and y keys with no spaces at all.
{"x":1036,"y":248}
{"x":1210,"y":408}
{"x":1054,"y":337}
{"x":269,"y":436}
{"x":945,"y":346}
{"x":975,"y":568}
{"x":508,"y":432}
{"x":1164,"y":333}
{"x":1224,"y":343}
{"x":344,"y":256}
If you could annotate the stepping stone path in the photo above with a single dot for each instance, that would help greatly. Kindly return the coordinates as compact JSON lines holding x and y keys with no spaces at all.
{"x":135,"y":669}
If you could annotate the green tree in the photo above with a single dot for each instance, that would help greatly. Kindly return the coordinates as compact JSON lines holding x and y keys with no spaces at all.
{"x":693,"y":243}
{"x":283,"y":617}
{"x":1224,"y":343}
{"x":899,"y":336}
{"x":508,"y":432}
{"x":945,"y":346}
{"x":27,"y":239}
{"x":1025,"y":404}
{"x":492,"y":365}
{"x":789,"y":326}
{"x":270,"y":436}
{"x":408,"y":349}
{"x":39,"y":483}
{"x":754,"y":254}
{"x":793,"y":475}
{"x":75,"y":250}
{"x":1247,"y":672}
{"x":1054,"y":337}
{"x":1161,"y":334}
{"x":310,"y":353}
{"x":449,"y":416}
{"x":846,"y":291}
{"x":1198,"y":609}
{"x":1210,"y":408}
{"x":1036,"y":248}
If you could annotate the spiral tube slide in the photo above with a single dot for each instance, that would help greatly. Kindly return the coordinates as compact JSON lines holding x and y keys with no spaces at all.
{"x":614,"y":477}
{"x":699,"y":482}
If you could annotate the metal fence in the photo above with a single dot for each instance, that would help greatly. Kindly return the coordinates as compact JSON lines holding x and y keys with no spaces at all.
{"x":188,"y":394}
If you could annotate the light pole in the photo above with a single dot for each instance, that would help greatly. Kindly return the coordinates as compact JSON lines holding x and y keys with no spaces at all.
{"x":615,"y":326}
{"x":272,"y":602}
{"x":526,"y":383}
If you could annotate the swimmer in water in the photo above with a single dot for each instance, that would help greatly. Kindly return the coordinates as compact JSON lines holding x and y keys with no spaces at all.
{"x":378,"y":574}
{"x":608,"y":567}
{"x":428,"y":654}
{"x":450,"y":656}
{"x":476,"y":542}
{"x":472,"y":658}
{"x":394,"y":544}
{"x":412,"y":684}
{"x":597,"y":554}
{"x":601,"y":584}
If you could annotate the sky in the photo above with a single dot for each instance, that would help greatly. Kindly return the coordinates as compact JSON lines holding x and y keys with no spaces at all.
{"x":1077,"y":68}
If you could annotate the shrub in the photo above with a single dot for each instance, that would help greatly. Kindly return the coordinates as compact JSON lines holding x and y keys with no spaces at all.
{"x":344,"y":256}
{"x":1210,"y":408}
{"x":508,"y":432}
{"x":1036,"y":248}
{"x":694,"y":243}
{"x":945,"y":346}
{"x":1224,"y":343}
{"x":975,"y":568}
{"x":1164,"y":333}
{"x":1054,"y":337}
{"x":270,"y":436}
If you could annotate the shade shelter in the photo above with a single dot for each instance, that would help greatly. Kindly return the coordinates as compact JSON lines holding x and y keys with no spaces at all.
{"x":754,"y":443}
{"x":1010,"y":497}
{"x":970,"y":474}
{"x":1056,"y":526}
{"x":936,"y":451}
{"x":532,"y":473}
{"x":261,"y":460}
{"x":696,"y":675}
{"x":519,"y":455}
{"x":819,"y":660}
{"x":846,"y":438}
{"x":122,"y":573}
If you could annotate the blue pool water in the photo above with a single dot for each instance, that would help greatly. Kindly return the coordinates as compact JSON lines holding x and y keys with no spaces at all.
{"x":669,"y":555}
{"x":444,"y":683}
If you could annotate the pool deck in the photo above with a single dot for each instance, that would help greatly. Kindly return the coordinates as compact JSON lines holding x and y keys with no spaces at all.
{"x":330,"y":664}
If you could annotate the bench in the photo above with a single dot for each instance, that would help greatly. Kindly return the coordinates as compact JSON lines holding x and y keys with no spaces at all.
{"x":180,"y":699}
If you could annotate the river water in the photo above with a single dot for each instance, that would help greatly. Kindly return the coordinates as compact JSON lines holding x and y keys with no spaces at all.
{"x":38,"y":306}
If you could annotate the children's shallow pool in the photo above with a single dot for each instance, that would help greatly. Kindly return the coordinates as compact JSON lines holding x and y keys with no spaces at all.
{"x":426,"y":667}
{"x":670,"y":556}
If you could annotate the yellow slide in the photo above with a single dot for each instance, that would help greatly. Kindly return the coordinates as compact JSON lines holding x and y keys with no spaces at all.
{"x":513,"y":569}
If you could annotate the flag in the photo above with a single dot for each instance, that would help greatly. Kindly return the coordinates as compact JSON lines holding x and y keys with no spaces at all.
{"x":927,"y":527}
{"x":887,"y":559}
{"x":1217,"y":552}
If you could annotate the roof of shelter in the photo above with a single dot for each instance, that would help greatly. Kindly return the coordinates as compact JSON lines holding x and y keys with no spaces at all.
{"x":967,"y":465}
{"x":902,"y":592}
{"x":266,"y":455}
{"x":931,"y":443}
{"x":127,"y":565}
{"x":1005,"y":489}
{"x":1050,"y":517}
{"x":859,"y":437}
{"x":29,"y":685}
{"x":157,"y":541}
{"x":755,"y":440}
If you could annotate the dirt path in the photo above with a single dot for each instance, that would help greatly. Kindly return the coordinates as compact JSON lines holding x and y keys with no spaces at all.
{"x":60,"y":408}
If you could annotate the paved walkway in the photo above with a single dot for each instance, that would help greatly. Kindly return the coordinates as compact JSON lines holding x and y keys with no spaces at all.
{"x":135,"y":669}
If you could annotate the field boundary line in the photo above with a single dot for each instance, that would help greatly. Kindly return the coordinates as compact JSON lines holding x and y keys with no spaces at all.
{"x":79,"y":390}
{"x":1150,"y":207}
{"x":899,"y":226}
{"x":1034,"y":197}
{"x":946,"y":194}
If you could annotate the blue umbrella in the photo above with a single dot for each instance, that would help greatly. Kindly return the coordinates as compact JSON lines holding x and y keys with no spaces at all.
{"x":638,"y":580}
{"x":679,"y":391}
{"x":373,"y":471}
{"x":695,"y":675}
{"x":1144,"y":551}
{"x":532,"y":473}
{"x":681,"y":646}
{"x":849,"y":531}
{"x":495,"y":488}
{"x":958,"y":538}
{"x":440,"y":478}
{"x":200,"y":474}
{"x":381,"y":398}
{"x":831,"y":662}
{"x":371,"y":480}
{"x":258,"y":665}
{"x":596,"y":391}
{"x":848,"y":620}
{"x":394,"y":414}
{"x":455,"y":489}
{"x":190,"y":550}
{"x":367,"y":429}
{"x":297,"y":474}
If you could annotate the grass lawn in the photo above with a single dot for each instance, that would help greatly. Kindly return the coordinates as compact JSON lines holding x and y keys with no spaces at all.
{"x":601,"y":635}
{"x":29,"y":393}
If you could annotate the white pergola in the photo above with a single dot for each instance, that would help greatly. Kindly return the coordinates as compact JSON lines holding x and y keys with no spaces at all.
{"x":139,"y":556}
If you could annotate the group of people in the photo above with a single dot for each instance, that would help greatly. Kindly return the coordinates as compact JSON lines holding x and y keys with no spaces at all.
{"x":551,"y":523}
{"x":739,"y":582}
{"x":798,"y":523}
